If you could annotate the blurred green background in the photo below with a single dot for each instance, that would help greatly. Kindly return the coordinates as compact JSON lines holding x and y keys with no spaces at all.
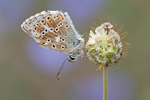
{"x":27,"y":71}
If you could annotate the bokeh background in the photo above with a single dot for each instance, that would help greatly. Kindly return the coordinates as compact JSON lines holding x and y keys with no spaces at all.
{"x":27,"y":71}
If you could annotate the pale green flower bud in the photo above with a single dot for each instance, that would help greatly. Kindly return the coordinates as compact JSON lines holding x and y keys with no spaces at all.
{"x":104,"y":46}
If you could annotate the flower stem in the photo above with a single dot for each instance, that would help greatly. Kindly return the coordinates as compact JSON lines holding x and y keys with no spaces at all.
{"x":104,"y":82}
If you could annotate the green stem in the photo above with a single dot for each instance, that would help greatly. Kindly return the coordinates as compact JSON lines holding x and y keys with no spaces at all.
{"x":104,"y":82}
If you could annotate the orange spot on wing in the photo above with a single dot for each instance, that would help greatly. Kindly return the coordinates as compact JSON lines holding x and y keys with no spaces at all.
{"x":36,"y":29}
{"x":39,"y":25}
{"x":38,"y":35}
{"x":62,"y":17}
{"x":58,"y":17}
{"x":50,"y":19}
{"x":42,"y":42}
{"x":44,"y":22}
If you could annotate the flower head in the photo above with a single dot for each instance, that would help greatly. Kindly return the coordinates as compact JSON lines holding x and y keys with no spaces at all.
{"x":104,"y":46}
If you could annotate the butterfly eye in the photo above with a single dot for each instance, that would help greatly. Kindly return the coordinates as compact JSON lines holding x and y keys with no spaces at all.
{"x":56,"y":29}
{"x":65,"y":35}
{"x":72,"y":58}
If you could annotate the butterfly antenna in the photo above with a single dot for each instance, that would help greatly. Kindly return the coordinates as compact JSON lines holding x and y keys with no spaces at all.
{"x":86,"y":32}
{"x":58,"y":74}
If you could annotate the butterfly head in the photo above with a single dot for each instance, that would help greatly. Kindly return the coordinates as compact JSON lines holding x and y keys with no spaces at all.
{"x":78,"y":51}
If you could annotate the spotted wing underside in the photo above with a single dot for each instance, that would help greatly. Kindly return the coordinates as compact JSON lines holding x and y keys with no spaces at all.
{"x":51,"y":29}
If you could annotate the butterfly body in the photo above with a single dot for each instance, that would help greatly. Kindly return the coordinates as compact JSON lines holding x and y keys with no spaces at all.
{"x":55,"y":30}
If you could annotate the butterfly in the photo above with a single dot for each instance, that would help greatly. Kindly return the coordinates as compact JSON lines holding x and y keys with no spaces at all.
{"x":55,"y":30}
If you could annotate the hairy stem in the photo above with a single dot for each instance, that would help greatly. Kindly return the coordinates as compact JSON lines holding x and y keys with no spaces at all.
{"x":104,"y":82}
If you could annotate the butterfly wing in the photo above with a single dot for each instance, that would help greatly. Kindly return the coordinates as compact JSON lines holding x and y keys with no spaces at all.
{"x":51,"y":29}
